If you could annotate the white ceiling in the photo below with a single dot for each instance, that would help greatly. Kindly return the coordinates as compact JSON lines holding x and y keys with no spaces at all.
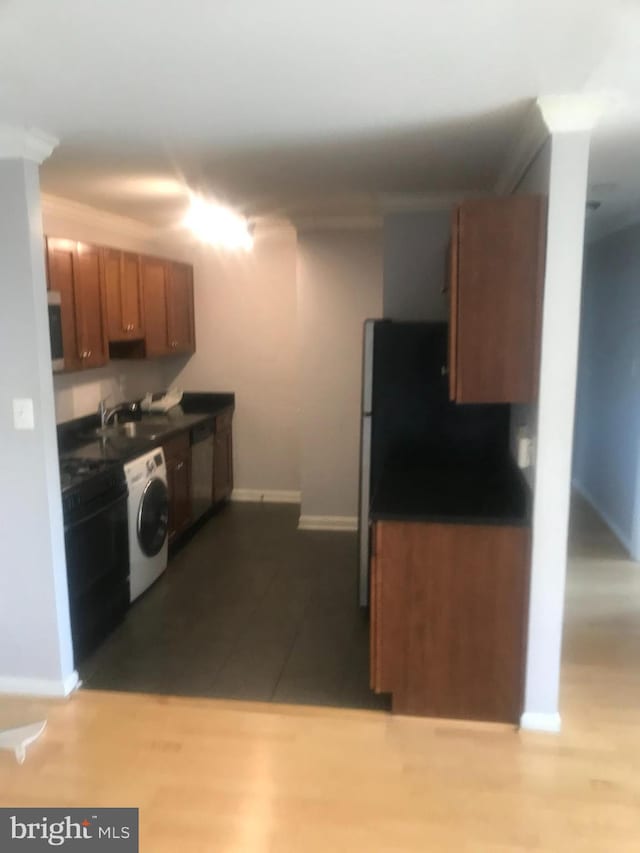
{"x":298,"y":106}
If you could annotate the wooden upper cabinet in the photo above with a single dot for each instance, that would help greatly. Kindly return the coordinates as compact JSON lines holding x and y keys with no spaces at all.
{"x":154,"y":275}
{"x":496,"y":268}
{"x":60,"y":254}
{"x":137,"y":306}
{"x":90,"y":302}
{"x":124,"y":295}
{"x":76,"y":272}
{"x":180,"y":309}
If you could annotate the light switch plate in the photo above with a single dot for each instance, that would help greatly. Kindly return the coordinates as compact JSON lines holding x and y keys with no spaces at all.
{"x":23,"y":413}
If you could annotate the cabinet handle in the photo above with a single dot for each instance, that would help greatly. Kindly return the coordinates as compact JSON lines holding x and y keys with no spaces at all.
{"x":444,"y":370}
{"x":179,"y":466}
{"x":89,"y":353}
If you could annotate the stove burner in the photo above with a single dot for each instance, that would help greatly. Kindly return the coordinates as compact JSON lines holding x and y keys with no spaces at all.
{"x":77,"y":473}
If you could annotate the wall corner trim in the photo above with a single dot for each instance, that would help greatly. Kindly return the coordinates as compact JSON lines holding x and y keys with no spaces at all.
{"x":50,"y":687}
{"x":328,"y":522}
{"x":267,"y":496}
{"x":25,"y":143}
{"x":531,"y":137}
{"x":533,"y":721}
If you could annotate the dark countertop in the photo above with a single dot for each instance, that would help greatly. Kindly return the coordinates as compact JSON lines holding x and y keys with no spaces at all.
{"x":453,"y":491}
{"x":76,"y":438}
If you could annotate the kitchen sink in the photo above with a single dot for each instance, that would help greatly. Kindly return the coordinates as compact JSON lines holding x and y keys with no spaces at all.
{"x":131,"y":429}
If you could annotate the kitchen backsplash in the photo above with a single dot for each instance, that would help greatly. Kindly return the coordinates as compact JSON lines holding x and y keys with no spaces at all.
{"x":78,"y":394}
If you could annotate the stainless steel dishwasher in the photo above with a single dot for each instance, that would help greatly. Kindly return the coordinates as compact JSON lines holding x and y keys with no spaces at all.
{"x":201,"y":468}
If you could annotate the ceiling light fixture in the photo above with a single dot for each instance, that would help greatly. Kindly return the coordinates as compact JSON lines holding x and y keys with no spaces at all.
{"x":218,"y":225}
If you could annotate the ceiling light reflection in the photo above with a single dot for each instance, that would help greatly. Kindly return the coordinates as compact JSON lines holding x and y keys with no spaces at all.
{"x":218,"y":226}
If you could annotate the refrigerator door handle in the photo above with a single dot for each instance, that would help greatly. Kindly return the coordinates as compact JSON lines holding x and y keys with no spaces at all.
{"x":363,"y":520}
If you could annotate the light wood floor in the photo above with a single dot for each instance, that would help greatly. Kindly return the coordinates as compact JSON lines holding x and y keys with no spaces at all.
{"x":220,"y":776}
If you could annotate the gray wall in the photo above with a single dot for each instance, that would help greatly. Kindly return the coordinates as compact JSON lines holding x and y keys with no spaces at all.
{"x":35,"y":644}
{"x":247,"y":342}
{"x":339,"y":287}
{"x":607,"y":433}
{"x":415,"y":251}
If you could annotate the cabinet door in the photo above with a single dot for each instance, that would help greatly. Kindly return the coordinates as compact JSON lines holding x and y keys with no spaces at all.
{"x":453,"y":606}
{"x":154,"y":289}
{"x":132,"y":311}
{"x":223,"y":465}
{"x":180,"y":309}
{"x":113,"y":294}
{"x":496,"y":299}
{"x":90,"y":306}
{"x":123,"y":295}
{"x":60,"y":256}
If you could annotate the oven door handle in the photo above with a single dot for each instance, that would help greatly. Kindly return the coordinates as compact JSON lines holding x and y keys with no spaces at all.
{"x":99,"y":511}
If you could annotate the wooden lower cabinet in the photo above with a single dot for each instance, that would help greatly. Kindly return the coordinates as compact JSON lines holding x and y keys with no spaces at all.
{"x":177,"y":453}
{"x":223,"y":458}
{"x":448,"y":618}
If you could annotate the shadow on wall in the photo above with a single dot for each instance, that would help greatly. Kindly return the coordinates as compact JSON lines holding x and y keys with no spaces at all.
{"x":606,"y":464}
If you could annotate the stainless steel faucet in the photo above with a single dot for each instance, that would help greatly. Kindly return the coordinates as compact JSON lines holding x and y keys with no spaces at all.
{"x":107,"y":414}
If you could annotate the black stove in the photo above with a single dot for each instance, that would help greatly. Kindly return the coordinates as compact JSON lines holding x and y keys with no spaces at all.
{"x":85,"y":481}
{"x":94,"y":507}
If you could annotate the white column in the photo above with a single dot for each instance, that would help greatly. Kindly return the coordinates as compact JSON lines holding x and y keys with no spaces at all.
{"x":35,"y":641}
{"x":569,"y":121}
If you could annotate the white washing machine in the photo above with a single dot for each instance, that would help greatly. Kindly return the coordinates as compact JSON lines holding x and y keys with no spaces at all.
{"x":148,"y":519}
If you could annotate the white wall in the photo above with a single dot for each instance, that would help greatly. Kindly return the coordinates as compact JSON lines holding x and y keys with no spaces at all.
{"x":414,"y":258}
{"x":607,"y":433}
{"x":246,"y":339}
{"x":534,"y":181}
{"x":569,"y":155}
{"x":35,"y":641}
{"x":339,"y":287}
{"x":80,"y":392}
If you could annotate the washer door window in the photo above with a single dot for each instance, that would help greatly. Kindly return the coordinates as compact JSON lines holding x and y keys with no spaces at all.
{"x":153,"y":517}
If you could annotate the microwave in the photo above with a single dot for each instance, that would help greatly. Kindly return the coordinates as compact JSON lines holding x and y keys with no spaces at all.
{"x":55,"y":330}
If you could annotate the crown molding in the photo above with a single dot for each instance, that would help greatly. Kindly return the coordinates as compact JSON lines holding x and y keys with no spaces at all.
{"x":424,"y":202}
{"x":532,"y":136}
{"x":85,"y":214}
{"x":25,"y":143}
{"x":360,"y":222}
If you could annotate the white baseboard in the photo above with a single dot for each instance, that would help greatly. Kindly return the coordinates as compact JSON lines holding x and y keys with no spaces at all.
{"x":532,"y":721}
{"x":595,"y":506}
{"x":39,"y":686}
{"x":268,"y":496}
{"x":328,"y":522}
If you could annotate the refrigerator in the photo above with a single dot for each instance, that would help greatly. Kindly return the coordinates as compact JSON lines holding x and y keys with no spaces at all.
{"x":407,"y":418}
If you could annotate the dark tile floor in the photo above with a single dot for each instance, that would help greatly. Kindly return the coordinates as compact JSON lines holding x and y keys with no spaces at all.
{"x":250,"y":608}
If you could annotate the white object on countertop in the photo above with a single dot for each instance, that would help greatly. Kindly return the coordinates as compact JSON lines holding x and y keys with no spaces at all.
{"x":162,"y":403}
{"x":17,"y":740}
